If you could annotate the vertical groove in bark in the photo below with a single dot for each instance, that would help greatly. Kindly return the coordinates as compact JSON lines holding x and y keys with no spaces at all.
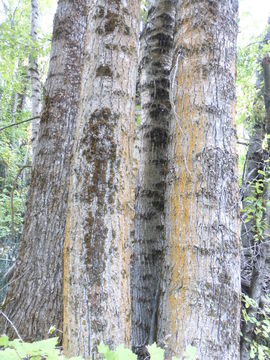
{"x":200,"y":302}
{"x":35,"y":84}
{"x":157,"y":48}
{"x":34,"y":301}
{"x":96,"y":259}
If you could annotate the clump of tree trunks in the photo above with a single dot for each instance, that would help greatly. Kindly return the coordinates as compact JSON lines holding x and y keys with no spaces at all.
{"x":175,"y":278}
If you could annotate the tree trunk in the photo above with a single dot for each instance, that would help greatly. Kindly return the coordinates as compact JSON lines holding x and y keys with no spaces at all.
{"x":255,"y":241}
{"x":157,"y":49}
{"x":254,"y":163}
{"x":96,"y":260}
{"x":200,"y":302}
{"x":35,"y":85}
{"x":34,"y":301}
{"x":260,"y":270}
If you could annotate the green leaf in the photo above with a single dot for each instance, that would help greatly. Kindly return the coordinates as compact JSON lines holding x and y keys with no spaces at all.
{"x":155,"y":352}
{"x":124,"y":354}
{"x":36,"y":349}
{"x":52,"y":330}
{"x":102,"y":348}
{"x":9,"y":354}
{"x":108,"y":354}
{"x":190,"y":353}
{"x":4,"y":341}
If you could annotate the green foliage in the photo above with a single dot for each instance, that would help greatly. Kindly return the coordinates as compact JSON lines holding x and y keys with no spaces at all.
{"x":255,"y":208}
{"x":16,"y":46}
{"x":38,"y":350}
{"x":190,"y":353}
{"x":144,"y":10}
{"x":48,"y":349}
{"x":119,"y":354}
{"x":260,"y":344}
{"x":155,"y":352}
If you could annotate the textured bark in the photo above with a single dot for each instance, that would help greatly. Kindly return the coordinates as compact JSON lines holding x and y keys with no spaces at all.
{"x":96,"y":259}
{"x":200,"y":302}
{"x":35,"y":84}
{"x":34,"y":301}
{"x":157,"y":50}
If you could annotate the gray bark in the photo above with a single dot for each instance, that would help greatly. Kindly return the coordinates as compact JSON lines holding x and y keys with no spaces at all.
{"x":96,"y":260}
{"x":34,"y":301}
{"x":35,"y":84}
{"x":157,"y":49}
{"x":200,"y":291}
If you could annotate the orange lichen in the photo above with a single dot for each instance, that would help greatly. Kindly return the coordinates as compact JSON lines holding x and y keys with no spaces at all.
{"x":183,"y":201}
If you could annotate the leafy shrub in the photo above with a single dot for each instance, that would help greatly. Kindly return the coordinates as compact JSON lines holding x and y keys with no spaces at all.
{"x":47,"y":349}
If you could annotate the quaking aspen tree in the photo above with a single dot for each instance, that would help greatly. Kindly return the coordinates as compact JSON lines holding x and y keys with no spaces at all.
{"x":35,"y":84}
{"x":97,"y":242}
{"x":156,"y":62}
{"x":199,"y":303}
{"x":34,"y":300}
{"x":254,"y":233}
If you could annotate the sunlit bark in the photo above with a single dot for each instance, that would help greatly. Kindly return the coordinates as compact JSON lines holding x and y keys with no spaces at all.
{"x":200,"y":293}
{"x":96,"y":261}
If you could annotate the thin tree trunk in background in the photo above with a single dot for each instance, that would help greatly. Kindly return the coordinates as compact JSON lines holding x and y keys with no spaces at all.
{"x":34,"y":301}
{"x":255,"y":252}
{"x":254,"y":163}
{"x":96,"y":261}
{"x":157,"y":50}
{"x":200,"y":303}
{"x":35,"y":84}
{"x":260,"y":271}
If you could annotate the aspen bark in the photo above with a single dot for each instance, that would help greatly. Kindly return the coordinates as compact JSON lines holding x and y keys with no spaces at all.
{"x":34,"y":300}
{"x":35,"y":84}
{"x":96,"y":259}
{"x":157,"y":51}
{"x":200,"y":303}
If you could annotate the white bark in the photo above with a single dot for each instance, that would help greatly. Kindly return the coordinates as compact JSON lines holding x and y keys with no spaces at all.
{"x":35,"y":84}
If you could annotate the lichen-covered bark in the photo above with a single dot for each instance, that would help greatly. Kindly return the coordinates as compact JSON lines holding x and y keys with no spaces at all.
{"x":200,"y":302}
{"x":96,"y":259}
{"x":34,"y":301}
{"x":157,"y":49}
{"x":35,"y":84}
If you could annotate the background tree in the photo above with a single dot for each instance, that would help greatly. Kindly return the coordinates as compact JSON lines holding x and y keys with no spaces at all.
{"x":35,"y":84}
{"x":14,"y":50}
{"x":97,"y":243}
{"x":200,"y":293}
{"x":34,"y":301}
{"x":255,"y":253}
